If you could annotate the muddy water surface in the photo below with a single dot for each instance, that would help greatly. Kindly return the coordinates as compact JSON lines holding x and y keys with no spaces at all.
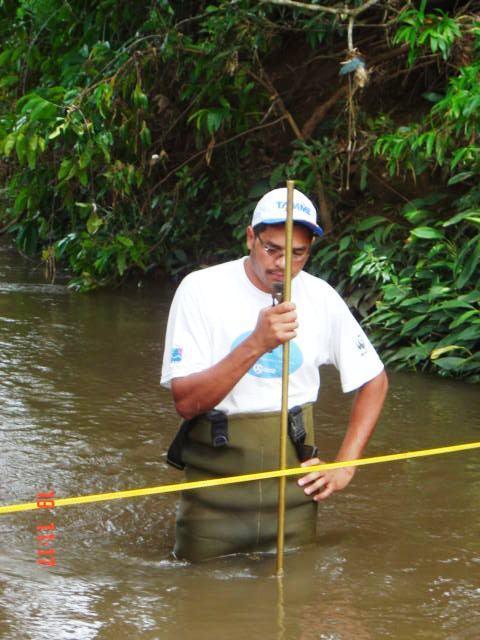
{"x":81,"y":411}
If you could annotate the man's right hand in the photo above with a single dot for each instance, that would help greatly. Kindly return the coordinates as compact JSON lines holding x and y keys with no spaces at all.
{"x":275,"y":325}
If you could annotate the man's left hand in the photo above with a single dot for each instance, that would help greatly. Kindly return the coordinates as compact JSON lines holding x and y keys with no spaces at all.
{"x":321,"y":484}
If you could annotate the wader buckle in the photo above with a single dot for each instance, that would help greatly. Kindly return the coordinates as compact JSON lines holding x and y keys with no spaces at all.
{"x":297,"y":434}
{"x":219,"y":427}
{"x":219,"y":433}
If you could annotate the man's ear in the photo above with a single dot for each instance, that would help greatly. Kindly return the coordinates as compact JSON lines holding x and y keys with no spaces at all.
{"x":250,"y":237}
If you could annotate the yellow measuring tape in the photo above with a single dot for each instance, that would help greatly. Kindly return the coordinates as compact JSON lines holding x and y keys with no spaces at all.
{"x":249,"y":477}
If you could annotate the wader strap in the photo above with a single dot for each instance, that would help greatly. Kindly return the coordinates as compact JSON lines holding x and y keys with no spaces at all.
{"x":219,"y":436}
{"x":297,"y":434}
{"x":219,"y":432}
{"x":219,"y":426}
{"x":174,"y":453}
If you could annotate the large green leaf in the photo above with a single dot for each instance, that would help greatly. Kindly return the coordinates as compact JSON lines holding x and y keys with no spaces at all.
{"x":94,"y":223}
{"x":460,"y":177}
{"x":427,"y":233}
{"x":413,"y":323}
{"x":370,"y":222}
{"x":469,"y":266}
{"x":451,"y":363}
{"x":469,"y":216}
{"x":459,"y":320}
{"x":468,"y":334}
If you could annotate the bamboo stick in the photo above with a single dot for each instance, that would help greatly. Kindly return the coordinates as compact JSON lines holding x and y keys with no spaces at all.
{"x":285,"y":370}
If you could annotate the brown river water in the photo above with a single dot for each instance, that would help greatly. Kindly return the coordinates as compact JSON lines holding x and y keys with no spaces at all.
{"x":81,"y":411}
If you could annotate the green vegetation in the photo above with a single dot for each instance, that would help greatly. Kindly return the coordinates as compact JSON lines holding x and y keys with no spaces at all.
{"x":137,"y":136}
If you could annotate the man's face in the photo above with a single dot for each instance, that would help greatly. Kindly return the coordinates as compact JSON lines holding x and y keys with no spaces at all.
{"x":266,"y":263}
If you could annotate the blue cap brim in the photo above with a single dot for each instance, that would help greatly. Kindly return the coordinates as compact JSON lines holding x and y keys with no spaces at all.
{"x":313,"y":227}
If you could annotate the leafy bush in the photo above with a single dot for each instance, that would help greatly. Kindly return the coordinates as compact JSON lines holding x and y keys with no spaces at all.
{"x":427,"y":314}
{"x":89,"y":142}
{"x":432,"y":31}
{"x":416,"y":281}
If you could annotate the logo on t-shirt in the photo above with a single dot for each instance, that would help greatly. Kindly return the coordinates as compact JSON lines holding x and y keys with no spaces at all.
{"x":361,"y":346}
{"x":176,"y":354}
{"x":270,"y":364}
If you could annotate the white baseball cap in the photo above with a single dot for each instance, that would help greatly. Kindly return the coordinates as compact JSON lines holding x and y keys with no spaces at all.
{"x":272,"y":209}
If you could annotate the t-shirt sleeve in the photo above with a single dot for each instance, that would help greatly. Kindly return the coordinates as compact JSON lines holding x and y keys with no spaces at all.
{"x":350,"y":350}
{"x":187,"y":340}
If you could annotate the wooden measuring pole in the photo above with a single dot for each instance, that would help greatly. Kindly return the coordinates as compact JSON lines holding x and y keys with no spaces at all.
{"x":287,"y":295}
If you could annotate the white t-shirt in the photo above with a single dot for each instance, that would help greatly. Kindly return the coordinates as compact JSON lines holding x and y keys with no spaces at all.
{"x":216,"y":308}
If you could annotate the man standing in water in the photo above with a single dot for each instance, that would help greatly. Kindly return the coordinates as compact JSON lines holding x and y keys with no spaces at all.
{"x":223,"y":363}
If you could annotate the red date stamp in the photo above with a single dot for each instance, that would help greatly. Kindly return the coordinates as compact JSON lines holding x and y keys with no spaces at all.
{"x":46,"y":532}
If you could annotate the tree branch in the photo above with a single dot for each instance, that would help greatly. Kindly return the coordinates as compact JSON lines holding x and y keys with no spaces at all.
{"x":267,"y":83}
{"x":321,"y":111}
{"x":324,"y":209}
{"x":350,"y":33}
{"x":216,"y":146}
{"x":339,"y":10}
{"x":7,"y":226}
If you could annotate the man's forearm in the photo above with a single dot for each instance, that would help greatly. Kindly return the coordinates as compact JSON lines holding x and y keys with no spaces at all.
{"x":200,"y":392}
{"x":365,"y":412}
{"x":364,"y":415}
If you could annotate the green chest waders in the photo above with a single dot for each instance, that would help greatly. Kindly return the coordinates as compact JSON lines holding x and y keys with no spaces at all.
{"x":241,"y":518}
